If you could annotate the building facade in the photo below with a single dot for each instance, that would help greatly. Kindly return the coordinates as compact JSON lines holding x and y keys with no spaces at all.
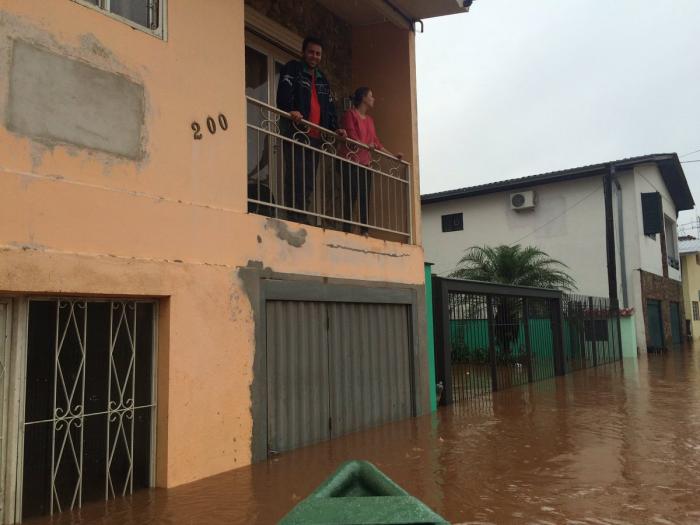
{"x":690,"y":268}
{"x":162,"y":318}
{"x":564,"y":214}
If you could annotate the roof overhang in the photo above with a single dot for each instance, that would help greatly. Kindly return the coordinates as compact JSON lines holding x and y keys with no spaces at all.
{"x":421,"y":9}
{"x":399,"y":12}
{"x":668,"y":163}
{"x":689,"y":247}
{"x":674,"y":178}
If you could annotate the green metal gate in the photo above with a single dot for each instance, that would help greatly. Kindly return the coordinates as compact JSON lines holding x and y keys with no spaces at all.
{"x":489,"y":337}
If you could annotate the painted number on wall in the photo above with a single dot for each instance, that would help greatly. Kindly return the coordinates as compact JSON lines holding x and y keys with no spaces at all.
{"x":211,"y":126}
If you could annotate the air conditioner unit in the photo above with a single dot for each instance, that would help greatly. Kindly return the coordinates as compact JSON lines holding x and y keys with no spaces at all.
{"x":522,"y":200}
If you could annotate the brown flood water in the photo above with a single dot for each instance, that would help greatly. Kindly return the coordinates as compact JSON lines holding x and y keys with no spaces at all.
{"x":614,"y":445}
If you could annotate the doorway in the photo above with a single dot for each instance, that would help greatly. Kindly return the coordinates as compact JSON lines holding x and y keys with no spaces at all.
{"x":263,"y":65}
{"x":655,"y":328}
{"x":675,"y":308}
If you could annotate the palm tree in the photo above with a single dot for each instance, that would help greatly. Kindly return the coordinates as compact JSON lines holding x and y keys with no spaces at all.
{"x":512,"y":265}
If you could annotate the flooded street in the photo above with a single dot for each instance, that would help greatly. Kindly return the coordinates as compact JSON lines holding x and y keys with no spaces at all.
{"x":612,"y":445}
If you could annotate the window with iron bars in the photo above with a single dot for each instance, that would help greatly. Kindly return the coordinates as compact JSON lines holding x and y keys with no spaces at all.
{"x":147,"y":15}
{"x":696,"y":311}
{"x":453,"y":222}
{"x":90,"y":403}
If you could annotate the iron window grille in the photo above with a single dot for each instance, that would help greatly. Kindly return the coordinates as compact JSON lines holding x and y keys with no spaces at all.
{"x":696,"y":311}
{"x":146,"y":15}
{"x":453,"y":222}
{"x":90,"y":405}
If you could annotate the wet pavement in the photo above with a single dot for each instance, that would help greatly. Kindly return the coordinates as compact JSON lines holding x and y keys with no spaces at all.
{"x":613,"y":445}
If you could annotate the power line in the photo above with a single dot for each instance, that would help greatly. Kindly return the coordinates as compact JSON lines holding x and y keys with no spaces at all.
{"x":558,"y":216}
{"x":686,"y":154}
{"x":583,"y":199}
{"x":689,"y":161}
{"x":657,"y":190}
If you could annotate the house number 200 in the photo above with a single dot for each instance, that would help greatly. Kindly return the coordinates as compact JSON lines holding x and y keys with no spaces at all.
{"x":211,"y":126}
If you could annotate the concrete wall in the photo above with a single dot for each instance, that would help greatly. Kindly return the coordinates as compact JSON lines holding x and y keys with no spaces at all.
{"x":648,"y":179}
{"x":690,"y":265}
{"x":646,"y":253}
{"x":169,"y":222}
{"x":573,"y":233}
{"x":628,"y":335}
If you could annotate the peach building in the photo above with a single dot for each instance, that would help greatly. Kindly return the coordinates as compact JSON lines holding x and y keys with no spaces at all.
{"x":165,"y":313}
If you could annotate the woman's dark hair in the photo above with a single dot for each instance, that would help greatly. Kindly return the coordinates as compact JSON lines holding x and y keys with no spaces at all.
{"x":311,"y":40}
{"x":359,"y":95}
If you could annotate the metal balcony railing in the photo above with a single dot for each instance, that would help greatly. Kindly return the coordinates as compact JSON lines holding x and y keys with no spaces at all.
{"x":308,"y":174}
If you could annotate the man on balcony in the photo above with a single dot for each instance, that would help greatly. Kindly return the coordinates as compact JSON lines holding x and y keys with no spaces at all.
{"x":305,"y":93}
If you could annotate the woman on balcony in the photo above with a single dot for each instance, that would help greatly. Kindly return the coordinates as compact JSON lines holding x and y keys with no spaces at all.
{"x":357,"y":181}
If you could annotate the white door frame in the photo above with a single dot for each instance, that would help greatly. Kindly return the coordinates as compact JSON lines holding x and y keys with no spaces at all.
{"x":14,"y":348}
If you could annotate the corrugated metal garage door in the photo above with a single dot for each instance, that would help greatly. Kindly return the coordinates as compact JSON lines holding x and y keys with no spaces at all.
{"x":335,"y":368}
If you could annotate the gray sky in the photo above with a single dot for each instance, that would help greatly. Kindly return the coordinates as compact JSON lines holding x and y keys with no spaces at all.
{"x":516,"y":88}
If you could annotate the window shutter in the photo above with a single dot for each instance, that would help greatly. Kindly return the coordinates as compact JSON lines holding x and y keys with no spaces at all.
{"x":652,"y":214}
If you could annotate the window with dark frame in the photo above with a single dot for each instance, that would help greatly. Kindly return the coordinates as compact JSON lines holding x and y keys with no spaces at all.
{"x":147,"y":14}
{"x":696,"y":311}
{"x":652,"y":214}
{"x":452,"y":222}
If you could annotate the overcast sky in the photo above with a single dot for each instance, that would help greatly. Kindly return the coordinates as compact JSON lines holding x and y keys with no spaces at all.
{"x":516,"y":88}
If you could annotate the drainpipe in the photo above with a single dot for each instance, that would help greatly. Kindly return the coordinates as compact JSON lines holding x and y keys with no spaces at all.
{"x":621,"y":236}
{"x":610,"y":238}
{"x":610,"y":250}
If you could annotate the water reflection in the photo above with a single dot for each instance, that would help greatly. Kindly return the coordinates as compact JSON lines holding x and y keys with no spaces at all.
{"x":616,"y":444}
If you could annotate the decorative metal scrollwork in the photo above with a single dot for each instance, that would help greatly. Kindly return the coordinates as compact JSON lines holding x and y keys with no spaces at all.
{"x":270,"y":121}
{"x":353,"y":151}
{"x":301,"y":132}
{"x":270,"y":177}
{"x":328,"y":141}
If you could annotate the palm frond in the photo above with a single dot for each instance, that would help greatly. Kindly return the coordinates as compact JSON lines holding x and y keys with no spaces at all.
{"x":514,"y":265}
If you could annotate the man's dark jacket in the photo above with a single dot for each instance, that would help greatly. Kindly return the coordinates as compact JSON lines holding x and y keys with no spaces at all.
{"x":294,"y":93}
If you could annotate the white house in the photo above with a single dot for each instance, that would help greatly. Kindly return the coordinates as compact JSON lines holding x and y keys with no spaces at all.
{"x":618,"y":216}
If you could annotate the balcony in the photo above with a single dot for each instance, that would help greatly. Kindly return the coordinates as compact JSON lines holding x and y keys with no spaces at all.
{"x":308,"y":174}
